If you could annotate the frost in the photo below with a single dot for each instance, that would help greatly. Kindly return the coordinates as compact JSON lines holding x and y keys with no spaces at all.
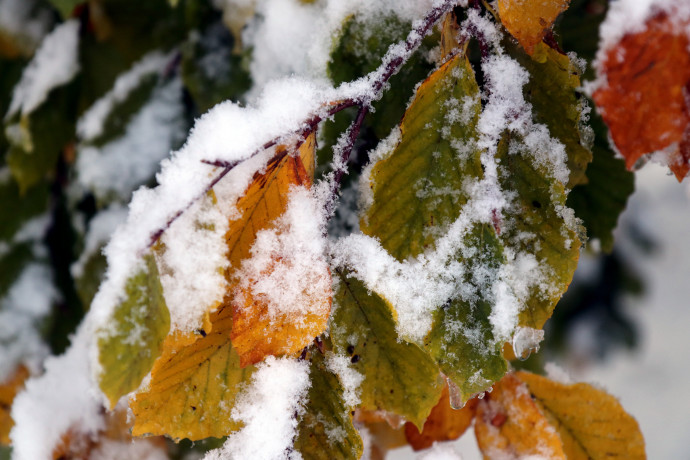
{"x":349,"y":378}
{"x":269,"y":408}
{"x":55,"y":63}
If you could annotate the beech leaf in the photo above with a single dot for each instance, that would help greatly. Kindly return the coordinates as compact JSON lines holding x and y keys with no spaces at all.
{"x":509,"y":424}
{"x":399,"y":377}
{"x":8,"y":390}
{"x":128,"y":348}
{"x":591,"y":423}
{"x":529,"y":20}
{"x":644,"y":100}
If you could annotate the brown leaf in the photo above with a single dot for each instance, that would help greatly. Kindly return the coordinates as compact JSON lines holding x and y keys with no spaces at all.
{"x":8,"y":390}
{"x":645,"y":101}
{"x":591,"y":423}
{"x":256,"y":334}
{"x":529,"y":20}
{"x":443,"y":424}
{"x":510,"y":425}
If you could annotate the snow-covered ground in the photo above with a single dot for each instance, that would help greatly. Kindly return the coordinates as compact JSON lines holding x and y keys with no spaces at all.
{"x":651,"y":382}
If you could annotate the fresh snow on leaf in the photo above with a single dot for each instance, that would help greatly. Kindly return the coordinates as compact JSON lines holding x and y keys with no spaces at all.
{"x":349,"y":378}
{"x":268,"y":407}
{"x":55,"y":63}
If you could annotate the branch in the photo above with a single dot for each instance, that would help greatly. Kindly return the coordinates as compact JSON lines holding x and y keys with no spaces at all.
{"x":395,"y":58}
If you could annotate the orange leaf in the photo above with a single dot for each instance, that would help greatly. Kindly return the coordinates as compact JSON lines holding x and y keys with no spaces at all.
{"x":193,"y":385}
{"x":8,"y":390}
{"x":443,"y":424}
{"x":256,"y":330}
{"x":385,"y":431}
{"x":529,"y":20}
{"x":510,"y":425}
{"x":644,"y":101}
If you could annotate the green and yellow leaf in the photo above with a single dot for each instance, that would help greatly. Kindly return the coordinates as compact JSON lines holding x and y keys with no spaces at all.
{"x":399,"y":377}
{"x":129,"y":347}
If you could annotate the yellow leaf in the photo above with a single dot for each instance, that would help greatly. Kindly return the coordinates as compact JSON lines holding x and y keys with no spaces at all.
{"x":510,"y":425}
{"x":198,"y":375}
{"x":193,"y":386}
{"x":591,"y":423}
{"x":443,"y":424}
{"x":256,"y":334}
{"x":529,"y":20}
{"x":8,"y":390}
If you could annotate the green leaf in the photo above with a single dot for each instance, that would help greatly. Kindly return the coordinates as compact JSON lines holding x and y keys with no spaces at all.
{"x":38,"y":138}
{"x":90,"y":280}
{"x":603,"y":198}
{"x":326,"y":431}
{"x":539,"y":224}
{"x":399,"y":376}
{"x":418,"y":189}
{"x":461,"y":339}
{"x":129,"y":346}
{"x":552,"y":91}
{"x":65,"y":7}
{"x":17,"y":208}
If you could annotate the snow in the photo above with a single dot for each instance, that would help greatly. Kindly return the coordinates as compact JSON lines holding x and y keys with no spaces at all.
{"x":269,"y":408}
{"x":54,"y":64}
{"x":140,"y":449}
{"x":62,"y":398}
{"x":90,"y":125}
{"x":123,"y":164}
{"x":440,"y":451}
{"x":20,"y":20}
{"x":22,"y":312}
{"x":349,"y":378}
{"x":101,"y":227}
{"x":286,"y":270}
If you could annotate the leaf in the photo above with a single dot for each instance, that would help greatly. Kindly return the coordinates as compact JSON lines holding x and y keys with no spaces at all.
{"x":443,"y":424}
{"x":37,"y":138}
{"x":644,"y":98}
{"x":553,"y":92}
{"x":510,"y":425}
{"x":8,"y":390}
{"x":193,"y":385}
{"x":66,"y":7}
{"x":539,"y":211}
{"x":601,"y":200}
{"x":257,"y":331}
{"x":407,"y":213}
{"x":18,"y":208}
{"x":462,"y":340}
{"x":385,"y":432}
{"x":326,"y":430}
{"x":128,"y":349}
{"x":529,"y":20}
{"x":399,"y":377}
{"x":591,"y":423}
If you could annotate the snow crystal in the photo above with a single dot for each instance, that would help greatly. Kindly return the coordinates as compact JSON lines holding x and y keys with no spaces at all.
{"x":91,"y":123}
{"x":349,"y":378}
{"x":62,"y":398}
{"x":286,"y":270}
{"x":55,"y":63}
{"x":268,"y":405}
